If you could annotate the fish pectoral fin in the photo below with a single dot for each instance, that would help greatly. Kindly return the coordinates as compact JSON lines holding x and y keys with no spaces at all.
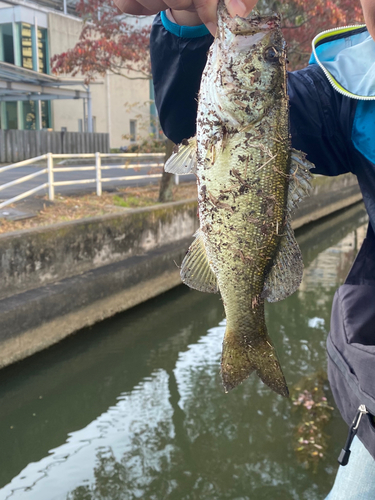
{"x":195,"y":270}
{"x":299,"y":180}
{"x":183,"y":159}
{"x":239,"y":361}
{"x":285,"y":275}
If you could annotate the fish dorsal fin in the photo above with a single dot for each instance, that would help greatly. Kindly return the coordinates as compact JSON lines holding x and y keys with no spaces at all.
{"x":300,"y":179}
{"x":183,"y":159}
{"x":196,"y":271}
{"x":285,"y":275}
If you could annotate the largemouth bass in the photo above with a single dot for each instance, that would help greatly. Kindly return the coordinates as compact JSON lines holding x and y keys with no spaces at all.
{"x":249,"y":180}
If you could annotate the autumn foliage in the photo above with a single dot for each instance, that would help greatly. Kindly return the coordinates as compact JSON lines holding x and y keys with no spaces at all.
{"x":109,"y":41}
{"x":302,"y":20}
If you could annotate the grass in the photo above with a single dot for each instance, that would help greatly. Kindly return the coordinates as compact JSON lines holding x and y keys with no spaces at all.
{"x":131,"y":201}
{"x":67,"y":208}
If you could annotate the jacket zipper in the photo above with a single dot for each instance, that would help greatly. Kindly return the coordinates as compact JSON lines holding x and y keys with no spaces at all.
{"x":345,"y":452}
{"x":328,"y":74}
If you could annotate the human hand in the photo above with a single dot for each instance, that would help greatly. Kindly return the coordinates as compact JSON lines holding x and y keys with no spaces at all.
{"x":189,"y":12}
{"x":368,"y":7}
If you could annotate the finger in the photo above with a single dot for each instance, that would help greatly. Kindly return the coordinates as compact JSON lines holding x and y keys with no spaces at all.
{"x":207,"y":11}
{"x":137,"y":8}
{"x":158,"y":5}
{"x":240,"y":8}
{"x":180,"y":4}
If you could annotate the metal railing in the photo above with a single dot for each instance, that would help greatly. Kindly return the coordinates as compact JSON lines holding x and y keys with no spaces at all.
{"x":51,"y":170}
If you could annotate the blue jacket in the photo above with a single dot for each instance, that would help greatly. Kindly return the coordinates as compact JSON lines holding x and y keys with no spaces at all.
{"x":332,"y":119}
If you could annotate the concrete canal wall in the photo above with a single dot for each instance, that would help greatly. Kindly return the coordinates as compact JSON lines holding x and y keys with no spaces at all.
{"x":58,"y":279}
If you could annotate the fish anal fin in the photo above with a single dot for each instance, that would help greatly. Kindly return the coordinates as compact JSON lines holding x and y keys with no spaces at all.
{"x":285,"y":275}
{"x":196,"y":271}
{"x":183,"y":159}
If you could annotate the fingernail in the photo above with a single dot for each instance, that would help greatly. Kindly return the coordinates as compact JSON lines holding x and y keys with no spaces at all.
{"x":211,"y":28}
{"x":236,"y":8}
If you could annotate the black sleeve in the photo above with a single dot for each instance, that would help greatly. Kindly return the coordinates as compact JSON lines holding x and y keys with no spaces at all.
{"x":177,"y":66}
{"x":321,"y":121}
{"x":321,"y":118}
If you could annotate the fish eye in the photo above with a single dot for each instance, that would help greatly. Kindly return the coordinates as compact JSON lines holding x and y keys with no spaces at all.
{"x":271,"y":54}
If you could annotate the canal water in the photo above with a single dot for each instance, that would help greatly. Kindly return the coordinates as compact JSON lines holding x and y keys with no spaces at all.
{"x":133,"y":408}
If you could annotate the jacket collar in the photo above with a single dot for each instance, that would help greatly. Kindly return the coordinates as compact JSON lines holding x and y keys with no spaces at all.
{"x":347,"y":57}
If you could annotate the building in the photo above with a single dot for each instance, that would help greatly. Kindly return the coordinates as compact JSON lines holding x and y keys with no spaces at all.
{"x":31,"y":32}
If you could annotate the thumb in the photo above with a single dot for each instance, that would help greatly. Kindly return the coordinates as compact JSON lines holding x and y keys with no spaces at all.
{"x":240,"y":8}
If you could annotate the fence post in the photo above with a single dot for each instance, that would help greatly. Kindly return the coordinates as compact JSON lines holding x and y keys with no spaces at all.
{"x":98,"y":168}
{"x":51,"y":187}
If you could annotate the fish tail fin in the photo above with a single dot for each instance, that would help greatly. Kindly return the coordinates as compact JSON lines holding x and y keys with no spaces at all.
{"x":240,"y":359}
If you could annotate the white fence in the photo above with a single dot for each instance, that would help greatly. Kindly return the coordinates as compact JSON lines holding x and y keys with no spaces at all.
{"x":51,"y":169}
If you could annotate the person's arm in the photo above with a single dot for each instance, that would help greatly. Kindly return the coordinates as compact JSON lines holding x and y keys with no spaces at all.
{"x":321,"y":121}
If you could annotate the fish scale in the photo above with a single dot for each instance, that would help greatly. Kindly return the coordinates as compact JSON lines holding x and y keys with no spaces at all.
{"x":246,"y":171}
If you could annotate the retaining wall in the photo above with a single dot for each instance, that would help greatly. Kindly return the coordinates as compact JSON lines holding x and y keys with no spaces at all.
{"x":33,"y":258}
{"x":58,"y":279}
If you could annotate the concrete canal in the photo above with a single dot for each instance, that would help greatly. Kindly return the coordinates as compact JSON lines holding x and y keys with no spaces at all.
{"x":133,"y":407}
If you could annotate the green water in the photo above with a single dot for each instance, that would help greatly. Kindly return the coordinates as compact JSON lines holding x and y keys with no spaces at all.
{"x":133,"y":407}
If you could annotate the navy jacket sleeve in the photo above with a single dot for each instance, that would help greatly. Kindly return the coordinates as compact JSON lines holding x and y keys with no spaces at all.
{"x":320,"y":123}
{"x":177,"y":66}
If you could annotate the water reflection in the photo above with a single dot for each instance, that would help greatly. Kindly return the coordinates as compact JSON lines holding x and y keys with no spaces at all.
{"x":133,"y":408}
{"x":330,"y":267}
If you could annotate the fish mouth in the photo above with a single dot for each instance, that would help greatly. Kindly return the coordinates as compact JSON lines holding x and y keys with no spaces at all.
{"x":253,"y":24}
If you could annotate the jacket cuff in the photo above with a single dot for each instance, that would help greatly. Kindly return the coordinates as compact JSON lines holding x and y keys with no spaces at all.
{"x":183,"y":31}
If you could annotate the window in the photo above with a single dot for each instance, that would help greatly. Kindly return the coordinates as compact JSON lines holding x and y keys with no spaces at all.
{"x":29,"y":117}
{"x":46,"y":114}
{"x":26,"y":46}
{"x":11,"y":115}
{"x":26,"y":36}
{"x":133,"y":130}
{"x":42,"y":51}
{"x":6,"y":41}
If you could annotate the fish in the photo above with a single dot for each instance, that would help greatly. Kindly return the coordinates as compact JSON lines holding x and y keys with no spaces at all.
{"x":249,"y":182}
